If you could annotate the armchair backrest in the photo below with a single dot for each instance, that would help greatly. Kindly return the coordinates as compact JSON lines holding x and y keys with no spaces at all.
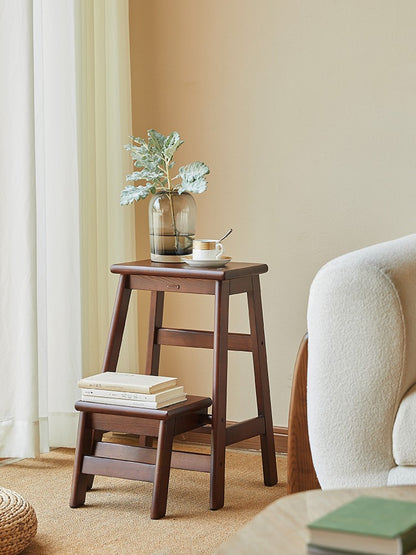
{"x":362,"y":360}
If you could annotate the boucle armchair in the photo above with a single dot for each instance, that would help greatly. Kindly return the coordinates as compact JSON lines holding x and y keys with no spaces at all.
{"x":352,"y":420}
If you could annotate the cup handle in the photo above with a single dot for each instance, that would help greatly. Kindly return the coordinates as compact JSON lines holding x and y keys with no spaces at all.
{"x":219,"y":248}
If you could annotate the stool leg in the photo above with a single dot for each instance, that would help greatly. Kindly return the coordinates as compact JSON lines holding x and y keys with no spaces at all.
{"x":219,"y":395}
{"x":155,"y":322}
{"x":153,"y":348}
{"x":162,"y":469}
{"x":96,"y":437}
{"x":262,"y":382}
{"x":118,"y":322}
{"x":81,"y":481}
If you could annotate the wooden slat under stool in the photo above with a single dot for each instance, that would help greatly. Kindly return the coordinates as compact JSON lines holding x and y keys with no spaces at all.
{"x":93,"y":456}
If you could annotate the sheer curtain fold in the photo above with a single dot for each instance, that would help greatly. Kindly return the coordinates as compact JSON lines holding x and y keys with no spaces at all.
{"x":61,"y":225}
{"x":18,"y":280}
{"x":105,"y":120}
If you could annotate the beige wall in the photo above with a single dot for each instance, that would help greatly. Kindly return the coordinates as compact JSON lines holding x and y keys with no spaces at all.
{"x":305,"y":113}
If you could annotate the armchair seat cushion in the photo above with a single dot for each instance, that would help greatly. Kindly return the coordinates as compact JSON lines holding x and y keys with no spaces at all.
{"x":404,"y":430}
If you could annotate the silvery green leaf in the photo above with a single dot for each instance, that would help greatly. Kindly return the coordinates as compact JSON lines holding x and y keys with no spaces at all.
{"x":144,"y":174}
{"x":134,"y":148}
{"x":137,"y":152}
{"x":156,"y":140}
{"x":152,"y":163}
{"x":172,"y":143}
{"x":130,"y":193}
{"x":134,"y":151}
{"x":193,"y":171}
{"x":137,"y":140}
{"x":197,"y":186}
{"x":142,"y":158}
{"x":193,"y":180}
{"x":135,"y":176}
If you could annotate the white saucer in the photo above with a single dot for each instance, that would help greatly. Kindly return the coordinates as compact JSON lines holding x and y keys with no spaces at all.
{"x":217,"y":263}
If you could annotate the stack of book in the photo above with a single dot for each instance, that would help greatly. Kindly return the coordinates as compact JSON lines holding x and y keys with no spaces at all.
{"x":370,"y":525}
{"x":131,"y":390}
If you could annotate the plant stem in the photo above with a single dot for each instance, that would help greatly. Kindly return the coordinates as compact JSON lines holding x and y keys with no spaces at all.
{"x":171,"y":206}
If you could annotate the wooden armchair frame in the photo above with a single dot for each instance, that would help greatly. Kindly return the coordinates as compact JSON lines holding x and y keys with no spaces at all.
{"x":301,"y":474}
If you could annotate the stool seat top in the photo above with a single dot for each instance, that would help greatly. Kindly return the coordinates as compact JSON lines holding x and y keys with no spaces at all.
{"x":231,"y":271}
{"x":193,"y":403}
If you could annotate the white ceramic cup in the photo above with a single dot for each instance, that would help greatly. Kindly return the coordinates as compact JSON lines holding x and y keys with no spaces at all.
{"x":206,"y":249}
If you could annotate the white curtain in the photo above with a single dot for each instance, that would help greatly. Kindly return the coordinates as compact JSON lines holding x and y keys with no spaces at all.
{"x":64,"y":116}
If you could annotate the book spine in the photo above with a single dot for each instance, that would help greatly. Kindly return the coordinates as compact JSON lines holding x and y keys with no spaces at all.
{"x":163,"y":396}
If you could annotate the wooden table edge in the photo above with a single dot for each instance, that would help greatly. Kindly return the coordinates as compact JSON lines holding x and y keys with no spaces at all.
{"x":231,"y":271}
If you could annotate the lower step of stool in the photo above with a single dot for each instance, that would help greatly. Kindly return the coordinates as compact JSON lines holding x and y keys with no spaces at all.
{"x":131,"y":462}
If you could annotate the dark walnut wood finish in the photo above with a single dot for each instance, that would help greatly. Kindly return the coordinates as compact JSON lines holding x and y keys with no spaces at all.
{"x":232,"y":279}
{"x":301,"y":474}
{"x":93,"y":456}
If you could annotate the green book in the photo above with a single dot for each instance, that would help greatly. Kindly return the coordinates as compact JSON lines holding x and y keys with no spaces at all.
{"x":367,"y":525}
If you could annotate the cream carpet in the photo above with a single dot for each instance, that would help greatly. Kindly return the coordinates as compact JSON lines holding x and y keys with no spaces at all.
{"x":116,"y":517}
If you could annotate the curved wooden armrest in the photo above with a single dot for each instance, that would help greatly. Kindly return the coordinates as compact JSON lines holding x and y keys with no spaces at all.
{"x":301,"y":474}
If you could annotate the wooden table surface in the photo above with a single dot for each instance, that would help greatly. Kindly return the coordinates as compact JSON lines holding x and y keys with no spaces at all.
{"x":281,"y":527}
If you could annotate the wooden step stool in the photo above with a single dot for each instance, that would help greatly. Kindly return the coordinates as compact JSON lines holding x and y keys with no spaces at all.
{"x":93,"y":456}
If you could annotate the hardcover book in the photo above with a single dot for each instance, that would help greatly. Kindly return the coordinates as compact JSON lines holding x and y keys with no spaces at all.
{"x":135,"y":383}
{"x":366,"y":525}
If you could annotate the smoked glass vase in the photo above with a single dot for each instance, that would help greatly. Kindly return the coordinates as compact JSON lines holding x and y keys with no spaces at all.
{"x":171,"y":226}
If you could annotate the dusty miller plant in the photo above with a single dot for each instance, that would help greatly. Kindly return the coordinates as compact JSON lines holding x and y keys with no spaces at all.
{"x":154,"y":161}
